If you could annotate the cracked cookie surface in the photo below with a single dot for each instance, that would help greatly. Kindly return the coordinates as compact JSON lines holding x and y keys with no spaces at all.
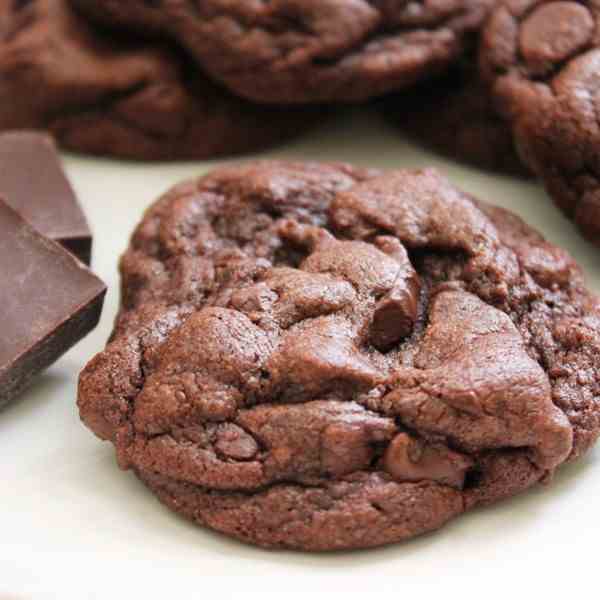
{"x":103,"y":95}
{"x":541,"y":59}
{"x":321,"y":357}
{"x":292,"y":51}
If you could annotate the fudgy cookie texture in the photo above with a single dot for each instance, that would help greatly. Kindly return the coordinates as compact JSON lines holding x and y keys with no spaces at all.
{"x":455,"y":115}
{"x":294,"y":51}
{"x":99,"y":94}
{"x":541,"y":60}
{"x":322,"y":357}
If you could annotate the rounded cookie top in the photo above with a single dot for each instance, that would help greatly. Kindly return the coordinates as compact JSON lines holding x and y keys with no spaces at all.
{"x":322,"y":357}
{"x":541,"y":59}
{"x":100,"y":94}
{"x":292,"y":51}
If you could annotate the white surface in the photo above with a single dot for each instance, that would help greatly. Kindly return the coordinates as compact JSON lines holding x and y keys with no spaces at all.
{"x":73,"y":526}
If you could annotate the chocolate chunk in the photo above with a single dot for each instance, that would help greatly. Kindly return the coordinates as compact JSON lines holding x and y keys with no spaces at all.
{"x":49,"y":302}
{"x":394,"y":317}
{"x":234,"y":443}
{"x":408,"y":459}
{"x":33,"y":182}
{"x":396,"y":312}
{"x":553,"y":33}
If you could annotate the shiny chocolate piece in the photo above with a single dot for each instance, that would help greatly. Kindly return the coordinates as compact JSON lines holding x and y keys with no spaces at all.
{"x":409,"y":459}
{"x":33,"y":182}
{"x":49,"y":302}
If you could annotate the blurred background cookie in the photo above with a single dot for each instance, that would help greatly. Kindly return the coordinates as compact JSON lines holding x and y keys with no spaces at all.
{"x":541,"y":59}
{"x":454,"y":115}
{"x":102,"y":94}
{"x":295,"y":51}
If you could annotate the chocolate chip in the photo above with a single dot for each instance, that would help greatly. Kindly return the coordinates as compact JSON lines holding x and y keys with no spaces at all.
{"x":408,"y":459}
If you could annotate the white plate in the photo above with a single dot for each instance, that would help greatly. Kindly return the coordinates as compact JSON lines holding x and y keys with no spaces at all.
{"x":73,"y":526}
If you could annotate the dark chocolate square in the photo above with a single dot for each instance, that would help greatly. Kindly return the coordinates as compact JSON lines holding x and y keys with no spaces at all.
{"x":33,"y":182}
{"x":49,"y":300}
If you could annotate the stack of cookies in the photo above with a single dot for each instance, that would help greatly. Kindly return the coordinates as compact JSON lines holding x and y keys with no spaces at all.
{"x":191,"y":80}
{"x":175,"y":80}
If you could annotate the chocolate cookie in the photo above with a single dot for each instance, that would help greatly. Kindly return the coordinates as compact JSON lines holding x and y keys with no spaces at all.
{"x":102,"y":95}
{"x":542,"y":60}
{"x":294,"y":51}
{"x":455,"y":115}
{"x":323,"y":357}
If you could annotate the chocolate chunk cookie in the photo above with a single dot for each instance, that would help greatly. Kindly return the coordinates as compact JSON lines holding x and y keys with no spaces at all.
{"x":322,"y":357}
{"x":99,"y":94}
{"x":542,"y":61}
{"x":455,"y":115}
{"x":292,"y":51}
